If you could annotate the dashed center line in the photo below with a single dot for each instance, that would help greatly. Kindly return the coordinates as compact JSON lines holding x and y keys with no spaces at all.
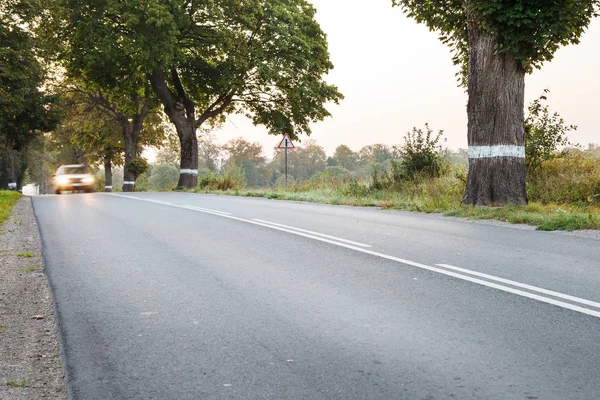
{"x":443,"y":269}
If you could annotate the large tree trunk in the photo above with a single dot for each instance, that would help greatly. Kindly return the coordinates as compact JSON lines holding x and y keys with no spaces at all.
{"x":188,"y":166}
{"x":181,"y":113}
{"x":496,"y":125}
{"x":11,"y":167}
{"x":130,"y":139}
{"x":108,"y":173}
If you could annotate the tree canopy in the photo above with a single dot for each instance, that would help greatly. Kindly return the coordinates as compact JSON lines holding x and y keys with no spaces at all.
{"x":531,"y":29}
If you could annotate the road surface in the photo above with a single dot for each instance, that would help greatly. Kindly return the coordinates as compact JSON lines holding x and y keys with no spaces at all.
{"x":184,"y":296}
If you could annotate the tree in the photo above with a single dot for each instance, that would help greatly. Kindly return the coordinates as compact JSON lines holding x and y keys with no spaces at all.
{"x":304,"y":161}
{"x":496,"y":43}
{"x":345,"y":157}
{"x":375,"y":154}
{"x":261,"y":58}
{"x":248,"y":156}
{"x":25,"y":110}
{"x":209,"y":152}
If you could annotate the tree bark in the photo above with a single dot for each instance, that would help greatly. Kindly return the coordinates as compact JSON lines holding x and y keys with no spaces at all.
{"x":131,"y":136}
{"x":130,"y":140}
{"x":11,"y":168}
{"x":496,"y":132}
{"x":181,"y":113}
{"x":108,"y":173}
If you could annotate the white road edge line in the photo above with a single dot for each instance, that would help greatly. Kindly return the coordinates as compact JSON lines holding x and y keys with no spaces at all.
{"x":467,"y":278}
{"x":313,"y":233}
{"x":207,"y":209}
{"x":524,"y":286}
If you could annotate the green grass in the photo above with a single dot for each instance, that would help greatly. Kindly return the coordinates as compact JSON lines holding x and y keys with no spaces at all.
{"x":17,"y":384}
{"x":437,"y":196}
{"x":8,"y":200}
{"x":27,"y":254}
{"x":544,"y":217}
{"x":31,"y":268}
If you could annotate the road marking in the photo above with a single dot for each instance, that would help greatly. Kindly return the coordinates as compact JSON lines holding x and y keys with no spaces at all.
{"x":313,"y":233}
{"x":524,"y":286}
{"x":166,"y":203}
{"x":206,"y":210}
{"x":439,"y":270}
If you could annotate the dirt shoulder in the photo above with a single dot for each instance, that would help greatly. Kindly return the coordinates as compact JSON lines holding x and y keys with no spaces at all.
{"x":31,"y":366}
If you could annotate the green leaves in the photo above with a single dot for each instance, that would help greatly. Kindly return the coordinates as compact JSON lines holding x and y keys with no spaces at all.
{"x":531,"y":29}
{"x":545,"y":134}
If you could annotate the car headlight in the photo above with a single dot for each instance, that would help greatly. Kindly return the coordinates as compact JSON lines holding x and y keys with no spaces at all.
{"x":62,"y":180}
{"x":88,"y":180}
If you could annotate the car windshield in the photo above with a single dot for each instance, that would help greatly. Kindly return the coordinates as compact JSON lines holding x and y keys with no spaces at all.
{"x":73,"y":170}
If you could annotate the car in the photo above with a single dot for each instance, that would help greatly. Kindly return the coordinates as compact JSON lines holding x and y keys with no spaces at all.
{"x":72,"y":178}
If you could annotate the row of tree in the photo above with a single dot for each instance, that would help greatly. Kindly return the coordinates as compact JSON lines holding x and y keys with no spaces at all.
{"x":112,"y":70}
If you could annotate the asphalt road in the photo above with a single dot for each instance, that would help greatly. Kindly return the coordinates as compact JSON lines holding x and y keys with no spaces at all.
{"x":183,"y":296}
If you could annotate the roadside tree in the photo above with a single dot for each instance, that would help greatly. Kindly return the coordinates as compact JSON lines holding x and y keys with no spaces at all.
{"x":496,"y":43}
{"x":261,"y":58}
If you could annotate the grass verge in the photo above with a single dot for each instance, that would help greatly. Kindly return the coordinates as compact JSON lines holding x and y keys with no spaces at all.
{"x":8,"y":200}
{"x":548,"y":217}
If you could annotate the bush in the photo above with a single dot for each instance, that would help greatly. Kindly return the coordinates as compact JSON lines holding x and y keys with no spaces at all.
{"x":353,"y":189}
{"x":332,"y":175}
{"x":570,"y":179}
{"x":544,"y":134}
{"x":421,"y":152}
{"x":138,"y":166}
{"x":232,"y":179}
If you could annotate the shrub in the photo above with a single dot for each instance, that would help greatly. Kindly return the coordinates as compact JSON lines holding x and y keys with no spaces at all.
{"x":232,"y":179}
{"x":570,"y":179}
{"x":421,"y":152}
{"x":353,"y":189}
{"x":332,"y":175}
{"x":544,"y":134}
{"x":138,"y":166}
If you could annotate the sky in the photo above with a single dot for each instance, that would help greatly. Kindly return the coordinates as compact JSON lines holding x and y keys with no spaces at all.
{"x":395,"y":74}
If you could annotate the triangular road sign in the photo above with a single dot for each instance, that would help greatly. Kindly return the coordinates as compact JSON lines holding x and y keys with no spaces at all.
{"x":286,"y":143}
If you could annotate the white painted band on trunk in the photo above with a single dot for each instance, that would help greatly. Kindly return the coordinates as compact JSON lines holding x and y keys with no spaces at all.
{"x":496,"y":151}
{"x":107,"y":187}
{"x":12,"y":185}
{"x":129,"y":183}
{"x":189,"y":171}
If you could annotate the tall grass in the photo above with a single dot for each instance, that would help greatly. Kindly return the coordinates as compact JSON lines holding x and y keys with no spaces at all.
{"x":561,"y":193}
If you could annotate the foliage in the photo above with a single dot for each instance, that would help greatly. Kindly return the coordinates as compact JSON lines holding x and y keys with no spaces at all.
{"x":376,"y":154}
{"x":532,"y":30}
{"x":8,"y":199}
{"x":545,"y":134}
{"x":304,"y":162}
{"x":261,"y":58}
{"x":332,"y":175}
{"x":212,"y":181}
{"x":570,"y":179}
{"x":421,"y":152}
{"x":158,"y":177}
{"x":548,"y":217}
{"x":138,"y":166}
{"x":209,"y":152}
{"x":345,"y":157}
{"x":25,"y":110}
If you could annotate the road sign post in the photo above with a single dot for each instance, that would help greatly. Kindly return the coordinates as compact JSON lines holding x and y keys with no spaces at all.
{"x":286,"y":143}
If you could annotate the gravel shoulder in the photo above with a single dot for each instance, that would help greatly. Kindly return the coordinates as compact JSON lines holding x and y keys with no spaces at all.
{"x":31,"y":366}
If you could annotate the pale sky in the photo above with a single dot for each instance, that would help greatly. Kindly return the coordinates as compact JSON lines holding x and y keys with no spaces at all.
{"x":396,"y":74}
